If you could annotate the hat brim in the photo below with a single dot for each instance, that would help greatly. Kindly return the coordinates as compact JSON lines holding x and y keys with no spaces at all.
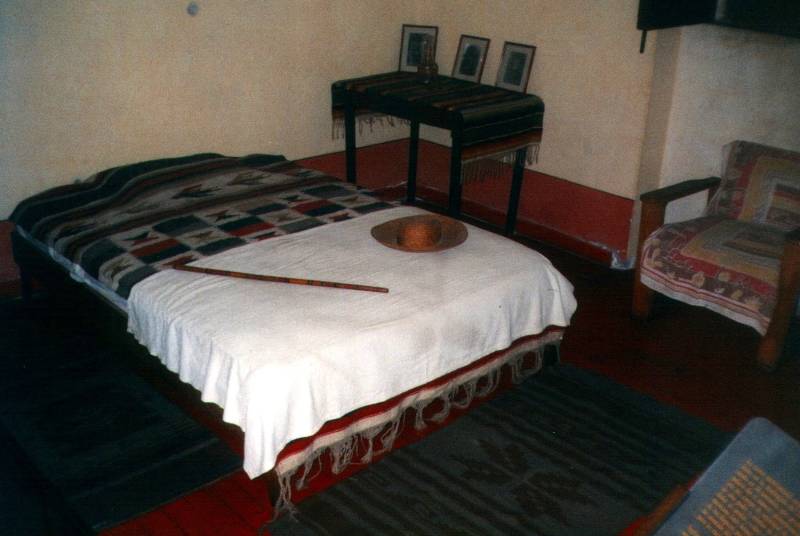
{"x":453,"y":233}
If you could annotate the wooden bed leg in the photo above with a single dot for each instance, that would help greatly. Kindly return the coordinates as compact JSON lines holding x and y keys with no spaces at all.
{"x":270,"y":478}
{"x":18,"y":250}
{"x":552,"y":355}
{"x":26,"y":286}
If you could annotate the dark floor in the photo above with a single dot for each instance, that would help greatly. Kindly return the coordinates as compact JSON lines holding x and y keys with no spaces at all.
{"x":684,"y":356}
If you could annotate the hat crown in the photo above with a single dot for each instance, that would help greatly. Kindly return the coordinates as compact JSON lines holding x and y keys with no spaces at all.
{"x":419,"y":233}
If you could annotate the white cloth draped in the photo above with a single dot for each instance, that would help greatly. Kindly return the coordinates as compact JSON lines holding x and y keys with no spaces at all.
{"x":283,"y":359}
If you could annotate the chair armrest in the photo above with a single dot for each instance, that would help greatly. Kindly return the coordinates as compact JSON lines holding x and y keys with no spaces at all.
{"x":654,"y":203}
{"x":794,"y":236}
{"x":654,"y":206}
{"x":682,"y":189}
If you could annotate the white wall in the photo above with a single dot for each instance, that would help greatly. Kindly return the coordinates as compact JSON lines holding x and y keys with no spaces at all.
{"x":89,"y":84}
{"x":713,"y":85}
{"x":587,"y":70}
{"x":727,"y":84}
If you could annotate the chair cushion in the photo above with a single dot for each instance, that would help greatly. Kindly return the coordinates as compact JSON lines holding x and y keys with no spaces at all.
{"x":760,"y":184}
{"x":728,"y":266}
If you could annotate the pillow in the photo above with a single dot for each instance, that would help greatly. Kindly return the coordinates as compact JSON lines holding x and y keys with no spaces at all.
{"x":760,"y":184}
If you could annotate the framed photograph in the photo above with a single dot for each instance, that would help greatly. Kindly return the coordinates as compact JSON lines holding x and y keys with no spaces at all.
{"x":413,"y":45}
{"x":515,"y":66}
{"x":470,"y":58}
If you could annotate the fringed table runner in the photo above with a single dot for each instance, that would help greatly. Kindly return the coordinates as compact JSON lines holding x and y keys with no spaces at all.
{"x":484,"y":114}
{"x":490,"y":126}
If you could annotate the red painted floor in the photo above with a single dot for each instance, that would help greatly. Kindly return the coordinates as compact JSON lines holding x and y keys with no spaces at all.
{"x":582,"y":219}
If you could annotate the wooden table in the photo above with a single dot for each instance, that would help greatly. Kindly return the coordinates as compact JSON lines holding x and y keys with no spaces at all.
{"x":483,"y":121}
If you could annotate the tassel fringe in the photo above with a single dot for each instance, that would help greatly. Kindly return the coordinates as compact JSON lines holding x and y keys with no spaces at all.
{"x":480,"y":168}
{"x":380,"y":438}
{"x":496,"y":165}
{"x":365,"y":121}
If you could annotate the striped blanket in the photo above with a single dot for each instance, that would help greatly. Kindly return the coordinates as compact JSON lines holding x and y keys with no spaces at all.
{"x":127,"y":223}
{"x":481,"y":113}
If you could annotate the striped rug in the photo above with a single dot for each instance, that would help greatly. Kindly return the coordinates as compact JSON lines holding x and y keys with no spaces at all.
{"x":102,"y":445}
{"x":566,"y":453}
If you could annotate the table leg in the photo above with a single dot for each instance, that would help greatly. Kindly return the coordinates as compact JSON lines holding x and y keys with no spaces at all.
{"x":516,"y":189}
{"x":350,"y":139}
{"x":454,"y":206}
{"x":413,"y":150}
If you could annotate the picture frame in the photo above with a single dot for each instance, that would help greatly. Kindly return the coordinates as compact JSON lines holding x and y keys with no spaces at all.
{"x":515,"y":66}
{"x":411,"y":45}
{"x":470,"y":58}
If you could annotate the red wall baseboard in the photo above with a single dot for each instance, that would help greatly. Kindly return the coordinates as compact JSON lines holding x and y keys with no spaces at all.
{"x":588,"y":222}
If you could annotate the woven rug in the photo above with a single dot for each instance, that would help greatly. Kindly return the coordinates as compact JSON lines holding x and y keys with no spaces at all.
{"x":567,"y":452}
{"x":110,"y":445}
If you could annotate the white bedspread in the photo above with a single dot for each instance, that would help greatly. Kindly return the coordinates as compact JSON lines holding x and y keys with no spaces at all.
{"x":283,"y":359}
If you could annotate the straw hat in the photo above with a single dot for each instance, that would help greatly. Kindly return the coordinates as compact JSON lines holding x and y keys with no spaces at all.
{"x":426,"y":232}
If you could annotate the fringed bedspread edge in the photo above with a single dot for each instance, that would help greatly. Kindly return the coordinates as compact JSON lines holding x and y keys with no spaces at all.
{"x":379,"y":430}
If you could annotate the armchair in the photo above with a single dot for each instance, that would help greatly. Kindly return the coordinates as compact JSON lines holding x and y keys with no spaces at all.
{"x":741,"y":258}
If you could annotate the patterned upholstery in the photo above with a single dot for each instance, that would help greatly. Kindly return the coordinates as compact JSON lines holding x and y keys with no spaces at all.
{"x":728,"y":266}
{"x":759,"y":184}
{"x":729,"y":259}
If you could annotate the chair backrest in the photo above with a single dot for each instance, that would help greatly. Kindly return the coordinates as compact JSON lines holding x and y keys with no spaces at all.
{"x":759,"y":184}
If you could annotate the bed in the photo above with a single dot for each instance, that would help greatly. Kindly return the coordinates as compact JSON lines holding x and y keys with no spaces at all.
{"x":301,"y":370}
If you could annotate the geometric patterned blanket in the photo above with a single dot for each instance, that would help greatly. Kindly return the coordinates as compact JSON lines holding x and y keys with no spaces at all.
{"x":126,"y":223}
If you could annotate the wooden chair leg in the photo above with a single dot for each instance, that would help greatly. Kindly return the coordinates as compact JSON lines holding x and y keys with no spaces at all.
{"x":642,"y":299}
{"x":769,"y":351}
{"x":771,"y":347}
{"x":652,"y":218}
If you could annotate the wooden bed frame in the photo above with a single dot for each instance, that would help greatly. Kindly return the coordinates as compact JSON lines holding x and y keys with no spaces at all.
{"x":36,"y":268}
